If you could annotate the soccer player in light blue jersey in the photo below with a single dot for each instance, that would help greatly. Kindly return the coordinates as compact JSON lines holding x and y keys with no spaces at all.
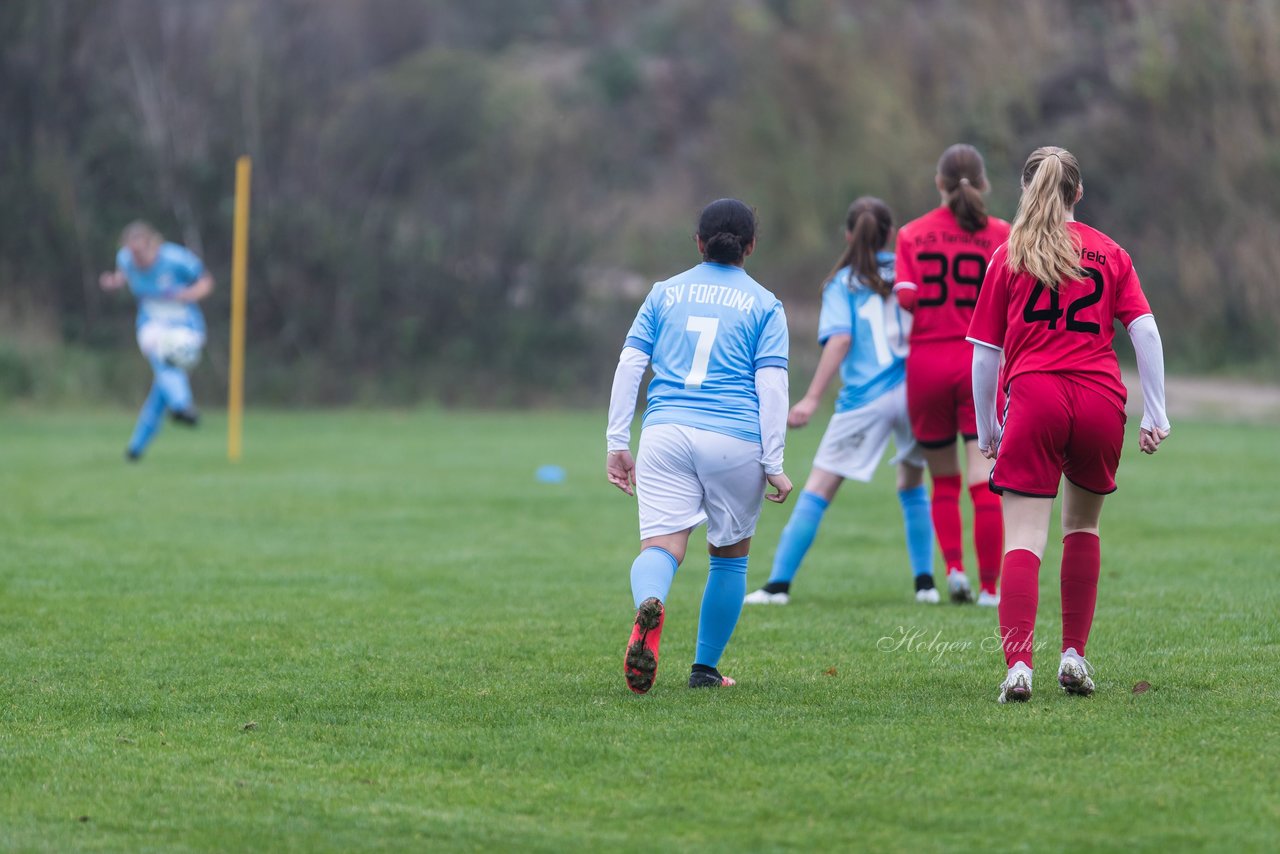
{"x":168,"y":282}
{"x":863,"y":334}
{"x":713,"y":435}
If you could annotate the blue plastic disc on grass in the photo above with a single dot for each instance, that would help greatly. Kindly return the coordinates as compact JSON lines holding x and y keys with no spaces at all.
{"x":549,"y":474}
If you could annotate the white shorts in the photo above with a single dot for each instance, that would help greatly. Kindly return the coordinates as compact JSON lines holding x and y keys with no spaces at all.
{"x":154,"y":337}
{"x":686,"y":476}
{"x":855,"y":440}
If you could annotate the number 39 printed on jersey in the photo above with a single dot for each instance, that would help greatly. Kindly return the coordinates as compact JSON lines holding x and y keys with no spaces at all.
{"x":966,"y":271}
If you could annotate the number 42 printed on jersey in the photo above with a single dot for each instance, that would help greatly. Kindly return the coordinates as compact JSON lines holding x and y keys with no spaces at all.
{"x":1033,"y":314}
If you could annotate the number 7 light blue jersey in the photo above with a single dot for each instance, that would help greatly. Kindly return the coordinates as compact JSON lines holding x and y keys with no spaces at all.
{"x":876,"y":362}
{"x":707,"y":331}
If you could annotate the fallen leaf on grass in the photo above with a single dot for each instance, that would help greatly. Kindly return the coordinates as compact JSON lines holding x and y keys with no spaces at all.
{"x":1141,"y":687}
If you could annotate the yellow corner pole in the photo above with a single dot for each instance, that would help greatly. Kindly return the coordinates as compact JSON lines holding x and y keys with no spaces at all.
{"x":239,"y":284}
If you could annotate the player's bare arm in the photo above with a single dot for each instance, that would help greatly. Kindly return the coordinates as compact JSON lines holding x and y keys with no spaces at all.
{"x":112,"y":280}
{"x":833,"y":353}
{"x":197,"y":290}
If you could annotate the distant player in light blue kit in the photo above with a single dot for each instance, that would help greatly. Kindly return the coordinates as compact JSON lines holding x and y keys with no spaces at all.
{"x":167,"y":280}
{"x":713,"y":435}
{"x":864,"y":335}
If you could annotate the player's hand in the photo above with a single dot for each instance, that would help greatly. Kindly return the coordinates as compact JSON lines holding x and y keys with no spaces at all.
{"x":801,"y":413}
{"x":620,"y":468}
{"x":1149,"y":440}
{"x":994,"y":448}
{"x":782,"y":487}
{"x":110,"y":281}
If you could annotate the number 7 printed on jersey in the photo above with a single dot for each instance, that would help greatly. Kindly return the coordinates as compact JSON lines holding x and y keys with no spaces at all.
{"x":706,"y":327}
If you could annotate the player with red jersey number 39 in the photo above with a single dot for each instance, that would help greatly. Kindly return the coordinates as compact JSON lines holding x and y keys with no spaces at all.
{"x":941,"y":261}
{"x":1049,"y":302}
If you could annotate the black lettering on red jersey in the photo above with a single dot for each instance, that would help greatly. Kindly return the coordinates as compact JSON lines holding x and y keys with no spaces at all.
{"x":1032,"y":314}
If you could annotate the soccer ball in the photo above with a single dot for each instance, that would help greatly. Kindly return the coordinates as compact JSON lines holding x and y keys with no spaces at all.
{"x":180,"y":347}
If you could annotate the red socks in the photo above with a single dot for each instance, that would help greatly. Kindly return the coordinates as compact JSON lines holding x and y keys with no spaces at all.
{"x":946,"y":519}
{"x":1019,"y":595}
{"x":1020,"y":589}
{"x":988,"y":534}
{"x":1081,"y":562}
{"x":988,"y":527}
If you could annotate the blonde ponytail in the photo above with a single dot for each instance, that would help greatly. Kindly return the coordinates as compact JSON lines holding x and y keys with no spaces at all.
{"x":1040,"y":242}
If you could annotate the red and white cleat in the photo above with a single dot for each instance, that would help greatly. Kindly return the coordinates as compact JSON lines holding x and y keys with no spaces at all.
{"x":1074,"y":674}
{"x":1016,"y":687}
{"x":958,"y":586}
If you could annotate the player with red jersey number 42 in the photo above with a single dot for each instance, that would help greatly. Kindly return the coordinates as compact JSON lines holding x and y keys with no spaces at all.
{"x":1050,"y":301}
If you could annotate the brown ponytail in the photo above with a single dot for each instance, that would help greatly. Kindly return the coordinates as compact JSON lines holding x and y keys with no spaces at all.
{"x":1040,"y":242}
{"x":868,"y":223}
{"x":962,"y":175}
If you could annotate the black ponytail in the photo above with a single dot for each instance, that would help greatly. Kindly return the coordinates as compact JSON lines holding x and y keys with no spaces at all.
{"x":724,"y":247}
{"x":726,"y":227}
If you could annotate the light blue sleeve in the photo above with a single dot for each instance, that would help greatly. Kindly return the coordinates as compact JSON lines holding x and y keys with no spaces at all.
{"x":139,"y":286}
{"x":186,"y":264}
{"x":836,"y":316}
{"x":644,"y":329}
{"x":774,"y":345}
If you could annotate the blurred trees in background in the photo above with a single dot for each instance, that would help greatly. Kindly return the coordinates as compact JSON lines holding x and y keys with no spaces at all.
{"x":468,"y":200}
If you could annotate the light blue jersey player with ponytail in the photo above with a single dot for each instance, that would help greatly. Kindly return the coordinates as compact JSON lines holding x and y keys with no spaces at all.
{"x":168,"y":281}
{"x":713,"y":435}
{"x":864,"y":336}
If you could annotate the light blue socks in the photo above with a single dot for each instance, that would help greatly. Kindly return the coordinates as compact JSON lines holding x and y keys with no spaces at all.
{"x":150,"y":418}
{"x":798,"y":535}
{"x":721,"y":606}
{"x":170,"y":391}
{"x":919,"y":525}
{"x":652,"y":574}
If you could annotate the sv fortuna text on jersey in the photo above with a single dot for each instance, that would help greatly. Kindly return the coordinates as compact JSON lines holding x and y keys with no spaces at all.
{"x":709,"y":295}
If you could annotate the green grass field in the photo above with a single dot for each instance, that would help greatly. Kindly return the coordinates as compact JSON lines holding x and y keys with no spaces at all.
{"x":379,"y":631}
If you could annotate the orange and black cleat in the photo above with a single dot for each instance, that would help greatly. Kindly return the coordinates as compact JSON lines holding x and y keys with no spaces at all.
{"x":641,"y":662}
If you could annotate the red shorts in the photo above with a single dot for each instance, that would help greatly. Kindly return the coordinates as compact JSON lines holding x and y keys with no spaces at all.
{"x":1054,"y":426}
{"x":940,"y":392}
